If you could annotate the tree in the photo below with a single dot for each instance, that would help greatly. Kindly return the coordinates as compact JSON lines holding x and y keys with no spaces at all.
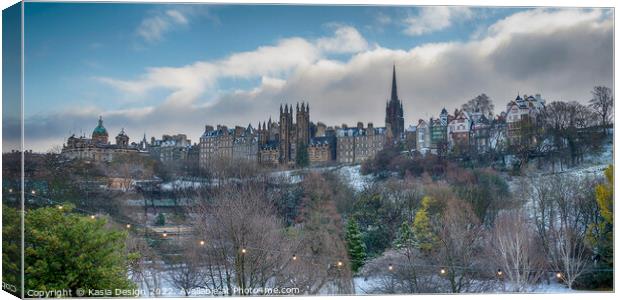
{"x":604,"y":228}
{"x":515,"y":249}
{"x":425,"y":238}
{"x":481,"y":103}
{"x":485,"y":191}
{"x":561,"y":218}
{"x":603,"y":103}
{"x":600,"y":235}
{"x":160,"y":220}
{"x":301,"y":157}
{"x":186,"y":272}
{"x":244,"y":246}
{"x":567,"y":127}
{"x":379,"y":217}
{"x":355,"y":245}
{"x":68,"y":251}
{"x":11,"y":250}
{"x":459,"y":243}
{"x":321,"y":241}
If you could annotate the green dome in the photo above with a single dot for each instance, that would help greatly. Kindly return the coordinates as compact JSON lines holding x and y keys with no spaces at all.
{"x":100,"y":130}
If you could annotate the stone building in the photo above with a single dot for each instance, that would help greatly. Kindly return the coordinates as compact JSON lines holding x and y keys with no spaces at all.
{"x":171,"y":148}
{"x":97,"y":147}
{"x":322,"y":149}
{"x":216,"y":145}
{"x":286,"y":134}
{"x":245,"y":145}
{"x":269,"y":154}
{"x":355,"y":145}
{"x":292,"y":135}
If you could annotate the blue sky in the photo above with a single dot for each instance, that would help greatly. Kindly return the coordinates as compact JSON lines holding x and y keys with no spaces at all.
{"x":144,"y":66}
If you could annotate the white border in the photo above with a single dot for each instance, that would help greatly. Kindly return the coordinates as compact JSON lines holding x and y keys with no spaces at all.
{"x":507,"y":3}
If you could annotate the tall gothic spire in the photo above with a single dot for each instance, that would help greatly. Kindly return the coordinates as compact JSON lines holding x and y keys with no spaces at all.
{"x":394,"y":91}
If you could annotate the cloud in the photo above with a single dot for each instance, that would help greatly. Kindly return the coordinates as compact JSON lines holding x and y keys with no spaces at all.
{"x":153,"y":28}
{"x":346,"y":39}
{"x":190,"y":81}
{"x":561,"y":54}
{"x":435,"y":18}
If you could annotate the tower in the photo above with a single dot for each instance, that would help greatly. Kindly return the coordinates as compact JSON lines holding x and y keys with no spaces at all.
{"x":286,"y":126}
{"x":122,"y":140}
{"x":303,"y":124}
{"x":394,"y":110}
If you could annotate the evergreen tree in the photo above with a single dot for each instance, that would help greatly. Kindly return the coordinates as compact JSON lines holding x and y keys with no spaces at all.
{"x":68,"y":251}
{"x":301,"y":157}
{"x":424,"y":237}
{"x":405,"y":236}
{"x":355,"y":245}
{"x":11,"y":250}
{"x":161,"y":220}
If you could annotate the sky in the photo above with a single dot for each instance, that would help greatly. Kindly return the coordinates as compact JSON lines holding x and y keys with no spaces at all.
{"x":164,"y":69}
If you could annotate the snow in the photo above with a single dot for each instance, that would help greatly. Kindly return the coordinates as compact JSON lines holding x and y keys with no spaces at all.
{"x":353,"y":176}
{"x":365,"y":285}
{"x":181,"y":184}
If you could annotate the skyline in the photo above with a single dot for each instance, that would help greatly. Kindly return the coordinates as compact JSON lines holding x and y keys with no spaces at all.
{"x":160,"y":68}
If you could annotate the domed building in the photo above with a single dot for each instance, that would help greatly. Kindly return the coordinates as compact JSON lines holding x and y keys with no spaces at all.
{"x":100,"y":134}
{"x":97,"y":148}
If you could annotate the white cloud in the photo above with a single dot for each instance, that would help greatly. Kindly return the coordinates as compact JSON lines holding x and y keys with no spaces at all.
{"x":176,"y":16}
{"x":435,"y":18}
{"x":153,"y":28}
{"x":190,"y":81}
{"x":346,"y":39}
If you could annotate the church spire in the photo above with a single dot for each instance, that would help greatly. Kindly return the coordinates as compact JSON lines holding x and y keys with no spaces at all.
{"x":394,"y":90}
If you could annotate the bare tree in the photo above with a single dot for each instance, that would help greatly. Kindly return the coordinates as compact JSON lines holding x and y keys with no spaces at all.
{"x":603,"y":103}
{"x":567,"y":128}
{"x":460,"y":243}
{"x":243,"y":245}
{"x":144,"y":271}
{"x":186,"y":272}
{"x":401,"y":271}
{"x":515,"y":249}
{"x":322,"y":240}
{"x":481,"y":103}
{"x":560,"y":208}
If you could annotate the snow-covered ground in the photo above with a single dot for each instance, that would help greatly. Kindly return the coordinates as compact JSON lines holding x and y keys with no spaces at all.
{"x":350,"y":174}
{"x":181,"y":184}
{"x":364,"y":286}
{"x":353,"y":176}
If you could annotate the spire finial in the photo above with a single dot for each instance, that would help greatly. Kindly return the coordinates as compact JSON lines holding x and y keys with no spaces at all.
{"x":394,"y":89}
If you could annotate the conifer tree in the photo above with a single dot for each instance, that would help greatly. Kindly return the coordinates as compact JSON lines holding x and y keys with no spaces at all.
{"x":301,"y":157}
{"x":405,"y":236}
{"x":68,"y":251}
{"x":355,"y":245}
